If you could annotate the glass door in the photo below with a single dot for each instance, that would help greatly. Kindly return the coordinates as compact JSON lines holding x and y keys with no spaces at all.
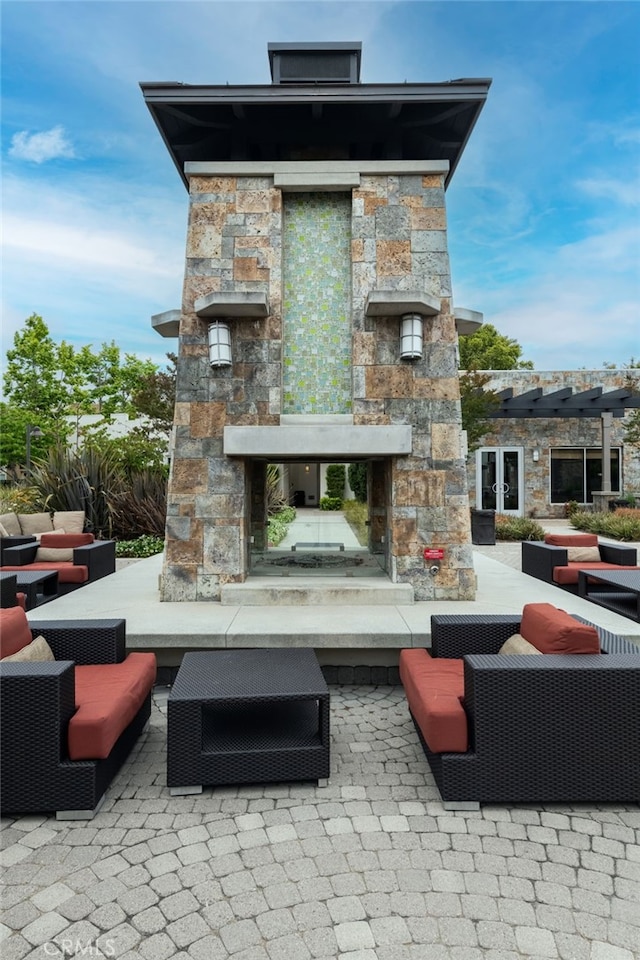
{"x":499,"y":479}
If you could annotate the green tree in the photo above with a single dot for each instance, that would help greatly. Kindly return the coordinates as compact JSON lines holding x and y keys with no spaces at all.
{"x":33,"y":379}
{"x":486,"y":349}
{"x":336,"y":475}
{"x":357,"y":474}
{"x":482,"y":351}
{"x":155,"y":396}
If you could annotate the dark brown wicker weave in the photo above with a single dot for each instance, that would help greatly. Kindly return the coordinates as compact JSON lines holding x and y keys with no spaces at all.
{"x":36,"y":702}
{"x":539,"y":560}
{"x":247,"y":716}
{"x":552,"y":728}
{"x":99,"y":557}
{"x":8,"y":590}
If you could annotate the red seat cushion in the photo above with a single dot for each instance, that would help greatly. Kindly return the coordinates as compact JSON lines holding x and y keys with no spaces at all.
{"x":569,"y":573}
{"x":60,"y":540}
{"x":571,"y":539}
{"x":15,"y":632}
{"x":67,"y":571}
{"x":434,"y":689}
{"x":108,"y":696}
{"x":553,"y":631}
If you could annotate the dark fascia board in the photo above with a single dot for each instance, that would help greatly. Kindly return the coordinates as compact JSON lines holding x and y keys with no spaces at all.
{"x":172,"y":93}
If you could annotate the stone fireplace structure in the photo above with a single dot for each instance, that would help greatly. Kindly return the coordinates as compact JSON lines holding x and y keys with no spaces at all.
{"x":317,"y":321}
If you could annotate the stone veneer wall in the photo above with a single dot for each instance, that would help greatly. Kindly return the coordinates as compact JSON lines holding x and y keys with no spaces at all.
{"x":234,"y":243}
{"x":544,"y":433}
{"x":400,"y":243}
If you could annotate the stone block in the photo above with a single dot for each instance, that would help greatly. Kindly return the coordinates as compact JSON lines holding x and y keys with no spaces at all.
{"x":373,"y":204}
{"x":189,"y":476}
{"x":203,"y":240}
{"x":391,"y":222}
{"x":178,"y":528}
{"x":208,"y":587}
{"x":247,"y":268}
{"x":417,"y":488}
{"x":213,"y":185}
{"x":393,"y":257}
{"x":405,"y":538}
{"x":428,"y":241}
{"x":437,"y":388}
{"x":427,"y":218}
{"x":388,"y":381}
{"x":364,"y":348}
{"x":207,"y":419}
{"x":214,"y":214}
{"x":253,"y":201}
{"x":184,"y":552}
{"x":178,"y":583}
{"x":357,"y":250}
{"x":445,"y":442}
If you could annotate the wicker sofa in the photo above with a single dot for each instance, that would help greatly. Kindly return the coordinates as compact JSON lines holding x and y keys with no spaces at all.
{"x":55,"y":542}
{"x":560,"y":557}
{"x":67,"y":724}
{"x":505,"y":728}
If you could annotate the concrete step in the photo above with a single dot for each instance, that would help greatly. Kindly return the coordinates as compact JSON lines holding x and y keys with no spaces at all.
{"x":317,"y":591}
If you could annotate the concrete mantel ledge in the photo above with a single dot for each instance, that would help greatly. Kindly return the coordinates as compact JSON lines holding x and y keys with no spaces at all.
{"x":318,"y":441}
{"x":167,"y":324}
{"x":328,"y":168}
{"x":228,"y":304}
{"x":467,"y":321}
{"x":395,"y":303}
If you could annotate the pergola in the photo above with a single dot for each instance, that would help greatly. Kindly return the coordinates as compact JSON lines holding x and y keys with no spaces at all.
{"x":565,"y":403}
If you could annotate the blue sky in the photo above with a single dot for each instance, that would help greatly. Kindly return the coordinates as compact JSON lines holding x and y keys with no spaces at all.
{"x":544,"y":225}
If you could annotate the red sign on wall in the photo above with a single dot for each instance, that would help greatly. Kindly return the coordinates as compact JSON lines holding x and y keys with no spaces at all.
{"x":433,"y":553}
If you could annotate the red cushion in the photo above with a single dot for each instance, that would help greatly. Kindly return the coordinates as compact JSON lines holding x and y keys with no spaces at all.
{"x":571,"y":539}
{"x":61,"y":540}
{"x":553,"y":631}
{"x":108,"y":696}
{"x":67,"y":571}
{"x":569,"y":573}
{"x":434,"y":689}
{"x":21,"y":599}
{"x":14,"y":631}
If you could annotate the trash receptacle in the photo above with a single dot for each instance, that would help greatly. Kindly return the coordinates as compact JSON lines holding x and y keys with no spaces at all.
{"x":483,"y":526}
{"x":299,"y":498}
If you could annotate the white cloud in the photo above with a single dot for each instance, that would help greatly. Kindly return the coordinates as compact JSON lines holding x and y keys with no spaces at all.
{"x":609,"y":188}
{"x":41,"y":147}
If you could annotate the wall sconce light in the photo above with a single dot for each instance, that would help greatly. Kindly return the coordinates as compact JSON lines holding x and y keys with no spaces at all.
{"x":219,"y":344}
{"x":307,"y":468}
{"x":536,"y":455}
{"x":411,"y":336}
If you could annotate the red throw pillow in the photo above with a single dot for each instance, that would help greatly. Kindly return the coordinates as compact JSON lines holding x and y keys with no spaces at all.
{"x":553,"y":631}
{"x":571,"y":539}
{"x":61,"y":540}
{"x":14,"y":631}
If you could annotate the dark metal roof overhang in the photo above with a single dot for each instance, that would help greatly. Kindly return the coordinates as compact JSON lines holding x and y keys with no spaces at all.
{"x":309,"y":121}
{"x":564,"y":403}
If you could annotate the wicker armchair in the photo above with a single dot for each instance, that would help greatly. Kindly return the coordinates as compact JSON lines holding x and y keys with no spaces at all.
{"x":549,"y":561}
{"x":99,"y":559}
{"x":550,"y":729}
{"x":37,"y":701}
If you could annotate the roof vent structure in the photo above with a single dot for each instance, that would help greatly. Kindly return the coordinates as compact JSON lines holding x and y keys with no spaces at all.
{"x":314,"y":62}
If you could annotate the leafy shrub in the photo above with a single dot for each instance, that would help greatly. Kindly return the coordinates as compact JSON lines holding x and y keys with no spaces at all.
{"x":623,"y":524}
{"x":330,"y":503}
{"x":517,"y":528}
{"x":356,"y":515}
{"x":145,"y":546}
{"x":357,"y":474}
{"x":139,"y":506}
{"x":275,"y":499}
{"x":279,"y":524}
{"x":336,"y":477}
{"x":78,"y":480}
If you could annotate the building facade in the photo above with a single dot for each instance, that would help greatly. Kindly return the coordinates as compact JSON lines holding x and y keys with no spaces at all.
{"x":317,"y":323}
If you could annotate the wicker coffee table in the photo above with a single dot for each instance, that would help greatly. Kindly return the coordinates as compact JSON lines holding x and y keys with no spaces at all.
{"x":247,"y":716}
